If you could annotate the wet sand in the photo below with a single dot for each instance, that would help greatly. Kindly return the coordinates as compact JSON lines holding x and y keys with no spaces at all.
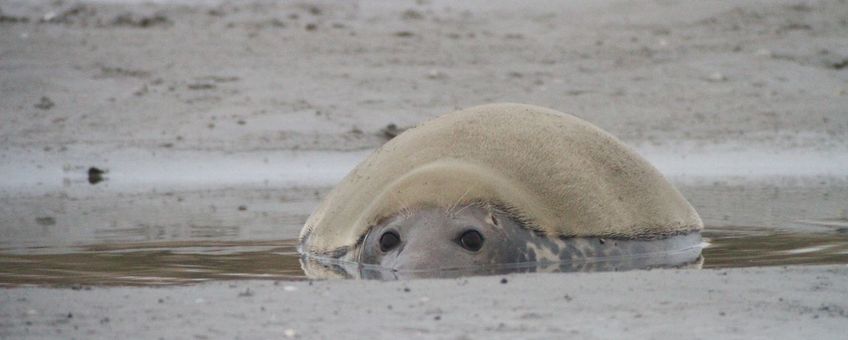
{"x":741,"y":104}
{"x":753,"y":303}
{"x":332,"y":76}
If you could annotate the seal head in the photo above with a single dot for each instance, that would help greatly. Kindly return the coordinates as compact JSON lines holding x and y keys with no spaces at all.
{"x":469,"y":235}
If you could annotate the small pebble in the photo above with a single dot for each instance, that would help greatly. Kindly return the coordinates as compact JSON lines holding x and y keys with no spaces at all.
{"x":763,"y":52}
{"x":44,"y":104}
{"x":716,"y":76}
{"x":436,"y":74}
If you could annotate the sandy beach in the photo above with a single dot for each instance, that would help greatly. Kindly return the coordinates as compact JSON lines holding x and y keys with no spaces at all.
{"x":225,"y":122}
{"x":759,"y":303}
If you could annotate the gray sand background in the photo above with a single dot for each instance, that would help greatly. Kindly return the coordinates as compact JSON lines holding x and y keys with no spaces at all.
{"x":197,"y":108}
{"x":751,"y":303}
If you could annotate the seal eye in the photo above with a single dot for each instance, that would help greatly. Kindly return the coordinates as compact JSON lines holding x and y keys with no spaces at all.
{"x":389,"y":241}
{"x":471,"y":240}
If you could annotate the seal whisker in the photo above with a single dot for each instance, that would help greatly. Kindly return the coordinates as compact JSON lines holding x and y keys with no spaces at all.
{"x":461,"y":209}
{"x":404,"y":211}
{"x":453,"y":206}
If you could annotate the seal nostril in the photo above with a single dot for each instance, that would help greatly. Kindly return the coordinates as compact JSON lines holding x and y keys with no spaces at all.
{"x":471,"y":240}
{"x":389,"y":241}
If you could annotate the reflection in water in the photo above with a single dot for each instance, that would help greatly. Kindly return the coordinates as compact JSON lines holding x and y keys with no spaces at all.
{"x":155,"y":264}
{"x":334,"y":269}
{"x":567,"y":255}
{"x":163,"y":263}
{"x":762,"y":247}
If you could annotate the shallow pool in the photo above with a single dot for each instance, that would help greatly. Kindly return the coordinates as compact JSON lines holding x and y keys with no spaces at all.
{"x":165,"y":263}
{"x":98,"y":235}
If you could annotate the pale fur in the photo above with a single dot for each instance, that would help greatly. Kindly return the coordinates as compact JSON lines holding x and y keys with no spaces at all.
{"x":558,"y":173}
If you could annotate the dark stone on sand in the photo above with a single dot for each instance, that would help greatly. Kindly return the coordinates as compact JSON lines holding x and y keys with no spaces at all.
{"x":44,"y":104}
{"x":390,"y":131}
{"x":45,"y":220}
{"x":128,"y":19}
{"x":95,"y":175}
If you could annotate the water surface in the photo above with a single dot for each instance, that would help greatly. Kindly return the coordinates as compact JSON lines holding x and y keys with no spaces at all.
{"x":168,"y":263}
{"x":99,"y":235}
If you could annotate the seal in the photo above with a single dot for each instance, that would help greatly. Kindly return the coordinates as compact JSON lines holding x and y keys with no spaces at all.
{"x":500,"y":184}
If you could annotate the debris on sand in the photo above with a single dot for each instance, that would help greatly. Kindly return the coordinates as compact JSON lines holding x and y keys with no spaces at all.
{"x":391,"y":131}
{"x":764,"y":53}
{"x":95,"y":175}
{"x":44,"y":104}
{"x":412,"y":14}
{"x":716,"y":77}
{"x":201,"y":86}
{"x":11,"y":18}
{"x":132,"y":20}
{"x":220,"y":79}
{"x":277,"y":23}
{"x":120,"y":72}
{"x":216,"y":12}
{"x":45,"y":221}
{"x":839,"y":64}
{"x":436,"y":74}
{"x":69,"y":15}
